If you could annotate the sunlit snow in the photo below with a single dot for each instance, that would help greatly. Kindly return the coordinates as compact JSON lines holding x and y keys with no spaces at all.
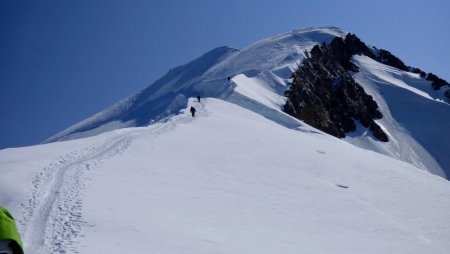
{"x":241,"y":176}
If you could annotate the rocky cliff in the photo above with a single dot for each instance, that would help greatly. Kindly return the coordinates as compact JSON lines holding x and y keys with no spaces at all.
{"x":325,"y":95}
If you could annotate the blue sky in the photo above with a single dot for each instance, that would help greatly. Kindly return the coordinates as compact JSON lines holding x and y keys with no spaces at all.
{"x":62,"y":61}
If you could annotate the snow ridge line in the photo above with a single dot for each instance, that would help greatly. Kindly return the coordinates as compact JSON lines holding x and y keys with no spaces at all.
{"x":52,"y":217}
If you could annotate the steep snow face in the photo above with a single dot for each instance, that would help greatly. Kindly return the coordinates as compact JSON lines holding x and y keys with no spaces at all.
{"x":226,"y":181}
{"x":415,"y":116}
{"x":272,"y":60}
{"x":162,"y":98}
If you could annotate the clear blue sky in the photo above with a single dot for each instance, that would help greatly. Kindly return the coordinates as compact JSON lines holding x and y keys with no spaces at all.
{"x":62,"y":61}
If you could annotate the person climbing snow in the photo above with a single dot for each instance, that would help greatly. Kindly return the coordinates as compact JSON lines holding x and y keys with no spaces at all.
{"x":198,"y":98}
{"x":10,"y":242}
{"x":193,"y":111}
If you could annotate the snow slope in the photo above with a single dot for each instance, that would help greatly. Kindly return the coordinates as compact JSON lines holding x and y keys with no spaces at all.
{"x":242,"y":176}
{"x":226,"y":181}
{"x":415,"y":116}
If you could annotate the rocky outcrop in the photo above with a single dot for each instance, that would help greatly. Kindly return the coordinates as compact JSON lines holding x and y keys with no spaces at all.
{"x":447,"y":94}
{"x":437,"y":82}
{"x":385,"y":57}
{"x":325,"y":95}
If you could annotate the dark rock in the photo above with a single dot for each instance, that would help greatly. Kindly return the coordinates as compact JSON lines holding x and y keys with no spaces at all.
{"x":378,"y":132}
{"x":418,"y":71}
{"x":447,"y":94}
{"x":385,"y":57}
{"x":324,"y":94}
{"x":380,"y":55}
{"x":437,"y":82}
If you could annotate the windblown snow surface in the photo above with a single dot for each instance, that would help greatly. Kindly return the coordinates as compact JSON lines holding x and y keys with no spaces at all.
{"x":241,"y":176}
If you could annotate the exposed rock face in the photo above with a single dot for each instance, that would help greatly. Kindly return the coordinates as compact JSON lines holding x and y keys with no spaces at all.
{"x":385,"y":57}
{"x":437,"y":82}
{"x":447,"y":94}
{"x":326,"y":96}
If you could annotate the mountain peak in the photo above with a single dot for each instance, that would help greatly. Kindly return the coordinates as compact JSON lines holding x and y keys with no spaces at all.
{"x":257,"y":77}
{"x":206,"y":75}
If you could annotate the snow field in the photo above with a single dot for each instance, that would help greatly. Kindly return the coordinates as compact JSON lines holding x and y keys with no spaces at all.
{"x":233,"y":181}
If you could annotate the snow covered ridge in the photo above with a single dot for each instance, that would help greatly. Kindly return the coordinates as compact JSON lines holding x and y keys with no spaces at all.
{"x":261,"y":74}
{"x":207,"y":76}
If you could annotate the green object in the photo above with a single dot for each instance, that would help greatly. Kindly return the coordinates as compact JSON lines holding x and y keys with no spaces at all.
{"x":8,"y":229}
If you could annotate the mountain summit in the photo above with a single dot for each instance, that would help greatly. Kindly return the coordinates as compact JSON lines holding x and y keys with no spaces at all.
{"x":207,"y":76}
{"x":375,"y":88}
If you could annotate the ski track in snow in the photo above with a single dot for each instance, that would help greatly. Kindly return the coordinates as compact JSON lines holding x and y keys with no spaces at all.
{"x":52,"y":218}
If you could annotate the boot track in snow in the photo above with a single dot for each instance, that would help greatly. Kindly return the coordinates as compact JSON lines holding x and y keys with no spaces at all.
{"x":52,"y":218}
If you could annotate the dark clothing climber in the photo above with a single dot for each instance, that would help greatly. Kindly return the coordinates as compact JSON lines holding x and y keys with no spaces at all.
{"x":193,"y":111}
{"x":229,"y":78}
{"x":198,"y":98}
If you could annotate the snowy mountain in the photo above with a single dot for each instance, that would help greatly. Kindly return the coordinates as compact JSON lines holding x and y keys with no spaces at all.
{"x":272,"y":61}
{"x":261,"y":74}
{"x":241,"y":176}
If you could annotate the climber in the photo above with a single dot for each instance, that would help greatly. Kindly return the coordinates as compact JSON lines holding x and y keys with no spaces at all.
{"x":10,"y":242}
{"x":193,"y":111}
{"x":198,"y":98}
